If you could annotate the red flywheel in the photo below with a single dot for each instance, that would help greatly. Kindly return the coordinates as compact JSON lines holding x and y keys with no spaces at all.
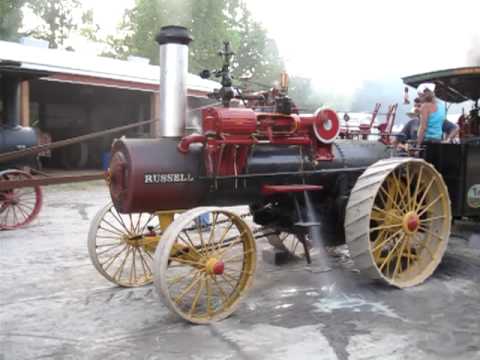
{"x":326,"y":125}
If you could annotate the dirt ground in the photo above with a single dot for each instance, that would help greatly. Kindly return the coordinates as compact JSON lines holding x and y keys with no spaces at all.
{"x":54,"y":305}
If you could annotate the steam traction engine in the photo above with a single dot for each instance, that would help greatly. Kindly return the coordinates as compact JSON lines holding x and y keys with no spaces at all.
{"x":297,"y":178}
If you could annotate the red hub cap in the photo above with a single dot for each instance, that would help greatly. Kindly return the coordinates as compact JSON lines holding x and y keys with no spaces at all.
{"x":218,"y":268}
{"x":411,"y":222}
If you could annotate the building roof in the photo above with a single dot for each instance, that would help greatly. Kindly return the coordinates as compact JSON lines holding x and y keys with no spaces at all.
{"x":75,"y":67}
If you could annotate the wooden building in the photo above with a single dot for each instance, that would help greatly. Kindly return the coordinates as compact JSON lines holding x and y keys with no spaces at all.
{"x":81,"y":94}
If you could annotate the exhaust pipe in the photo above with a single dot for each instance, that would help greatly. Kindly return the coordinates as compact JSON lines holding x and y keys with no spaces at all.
{"x":173,"y":41}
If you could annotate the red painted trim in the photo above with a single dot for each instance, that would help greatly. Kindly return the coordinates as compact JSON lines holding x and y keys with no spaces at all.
{"x":184,"y":144}
{"x":285,"y":189}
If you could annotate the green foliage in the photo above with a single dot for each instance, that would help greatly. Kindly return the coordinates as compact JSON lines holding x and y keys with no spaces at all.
{"x":300,"y":89}
{"x":57,"y":20}
{"x":10,"y":18}
{"x":256,"y":53}
{"x":211,"y":22}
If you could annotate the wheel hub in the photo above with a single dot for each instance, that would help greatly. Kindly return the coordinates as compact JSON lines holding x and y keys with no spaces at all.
{"x":411,"y":222}
{"x":214,"y":266}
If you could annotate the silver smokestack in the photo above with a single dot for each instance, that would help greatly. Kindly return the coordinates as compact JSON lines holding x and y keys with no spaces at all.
{"x":173,"y":41}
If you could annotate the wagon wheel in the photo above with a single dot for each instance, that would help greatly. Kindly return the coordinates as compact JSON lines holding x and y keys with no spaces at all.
{"x":287,"y":242}
{"x":202,"y":273}
{"x":121,"y":246}
{"x":20,"y":206}
{"x":398,"y":221}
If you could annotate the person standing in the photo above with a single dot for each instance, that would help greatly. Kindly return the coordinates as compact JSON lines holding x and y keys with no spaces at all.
{"x":432,"y":115}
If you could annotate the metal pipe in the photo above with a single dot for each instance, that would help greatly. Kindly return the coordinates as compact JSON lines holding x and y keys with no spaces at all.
{"x":11,"y":101}
{"x":173,"y":41}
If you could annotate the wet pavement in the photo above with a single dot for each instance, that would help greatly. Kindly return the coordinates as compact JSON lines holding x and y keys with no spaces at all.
{"x":54,"y":305}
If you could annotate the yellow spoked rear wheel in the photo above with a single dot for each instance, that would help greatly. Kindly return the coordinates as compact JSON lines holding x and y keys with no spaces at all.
{"x":204,"y":264}
{"x":398,"y":221}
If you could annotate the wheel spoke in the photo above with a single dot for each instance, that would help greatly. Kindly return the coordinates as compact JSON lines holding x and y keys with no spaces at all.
{"x":114,"y":227}
{"x":399,"y":257}
{"x":385,"y":227}
{"x":180,"y":278}
{"x":222,"y":238}
{"x":232,"y":285}
{"x":184,"y":261}
{"x":209,"y":297}
{"x":197,"y":296}
{"x":425,"y":209}
{"x":391,"y":199}
{"x":27,"y":206}
{"x":409,"y":191}
{"x":137,"y":225}
{"x":120,"y":234}
{"x":212,"y":232}
{"x":417,"y":188}
{"x":425,"y":192}
{"x":24,"y":214}
{"x":221,"y":291}
{"x":119,"y":220}
{"x":112,"y":259}
{"x":122,"y":266}
{"x":238,"y":256}
{"x":145,"y":265}
{"x":133,"y":270}
{"x":382,"y":243}
{"x":236,"y":240}
{"x":376,"y":208}
{"x":390,"y":254}
{"x":109,"y":249}
{"x":399,"y":191}
{"x":189,"y":245}
{"x":426,"y":230}
{"x":433,"y":218}
{"x":186,"y":290}
{"x":144,"y":227}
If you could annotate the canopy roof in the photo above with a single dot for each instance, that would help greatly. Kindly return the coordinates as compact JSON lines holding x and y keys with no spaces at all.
{"x":452,"y":85}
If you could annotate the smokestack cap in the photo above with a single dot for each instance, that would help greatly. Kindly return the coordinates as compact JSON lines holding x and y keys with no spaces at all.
{"x":173,"y":34}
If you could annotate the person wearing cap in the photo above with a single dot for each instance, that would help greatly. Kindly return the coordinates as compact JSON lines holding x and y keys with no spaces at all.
{"x":432,"y":115}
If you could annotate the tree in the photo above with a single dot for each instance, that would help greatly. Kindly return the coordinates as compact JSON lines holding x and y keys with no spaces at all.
{"x":256,"y":53}
{"x":304,"y":95}
{"x":211,"y":22}
{"x":137,"y":30}
{"x":58,"y":20}
{"x":10,"y":19}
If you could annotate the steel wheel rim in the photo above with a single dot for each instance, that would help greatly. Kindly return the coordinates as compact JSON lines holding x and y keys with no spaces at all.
{"x":409,"y":223}
{"x":188,"y":260}
{"x":18,"y":207}
{"x":120,"y":247}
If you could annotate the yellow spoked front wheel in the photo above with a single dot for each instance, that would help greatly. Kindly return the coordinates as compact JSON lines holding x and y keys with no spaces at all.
{"x":204,"y":264}
{"x":398,"y":221}
{"x":121,"y":246}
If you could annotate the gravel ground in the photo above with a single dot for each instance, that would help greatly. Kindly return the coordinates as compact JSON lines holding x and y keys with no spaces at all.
{"x":54,"y":305}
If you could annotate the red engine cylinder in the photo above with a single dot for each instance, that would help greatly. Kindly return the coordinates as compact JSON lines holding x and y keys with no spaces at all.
{"x":237,"y":121}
